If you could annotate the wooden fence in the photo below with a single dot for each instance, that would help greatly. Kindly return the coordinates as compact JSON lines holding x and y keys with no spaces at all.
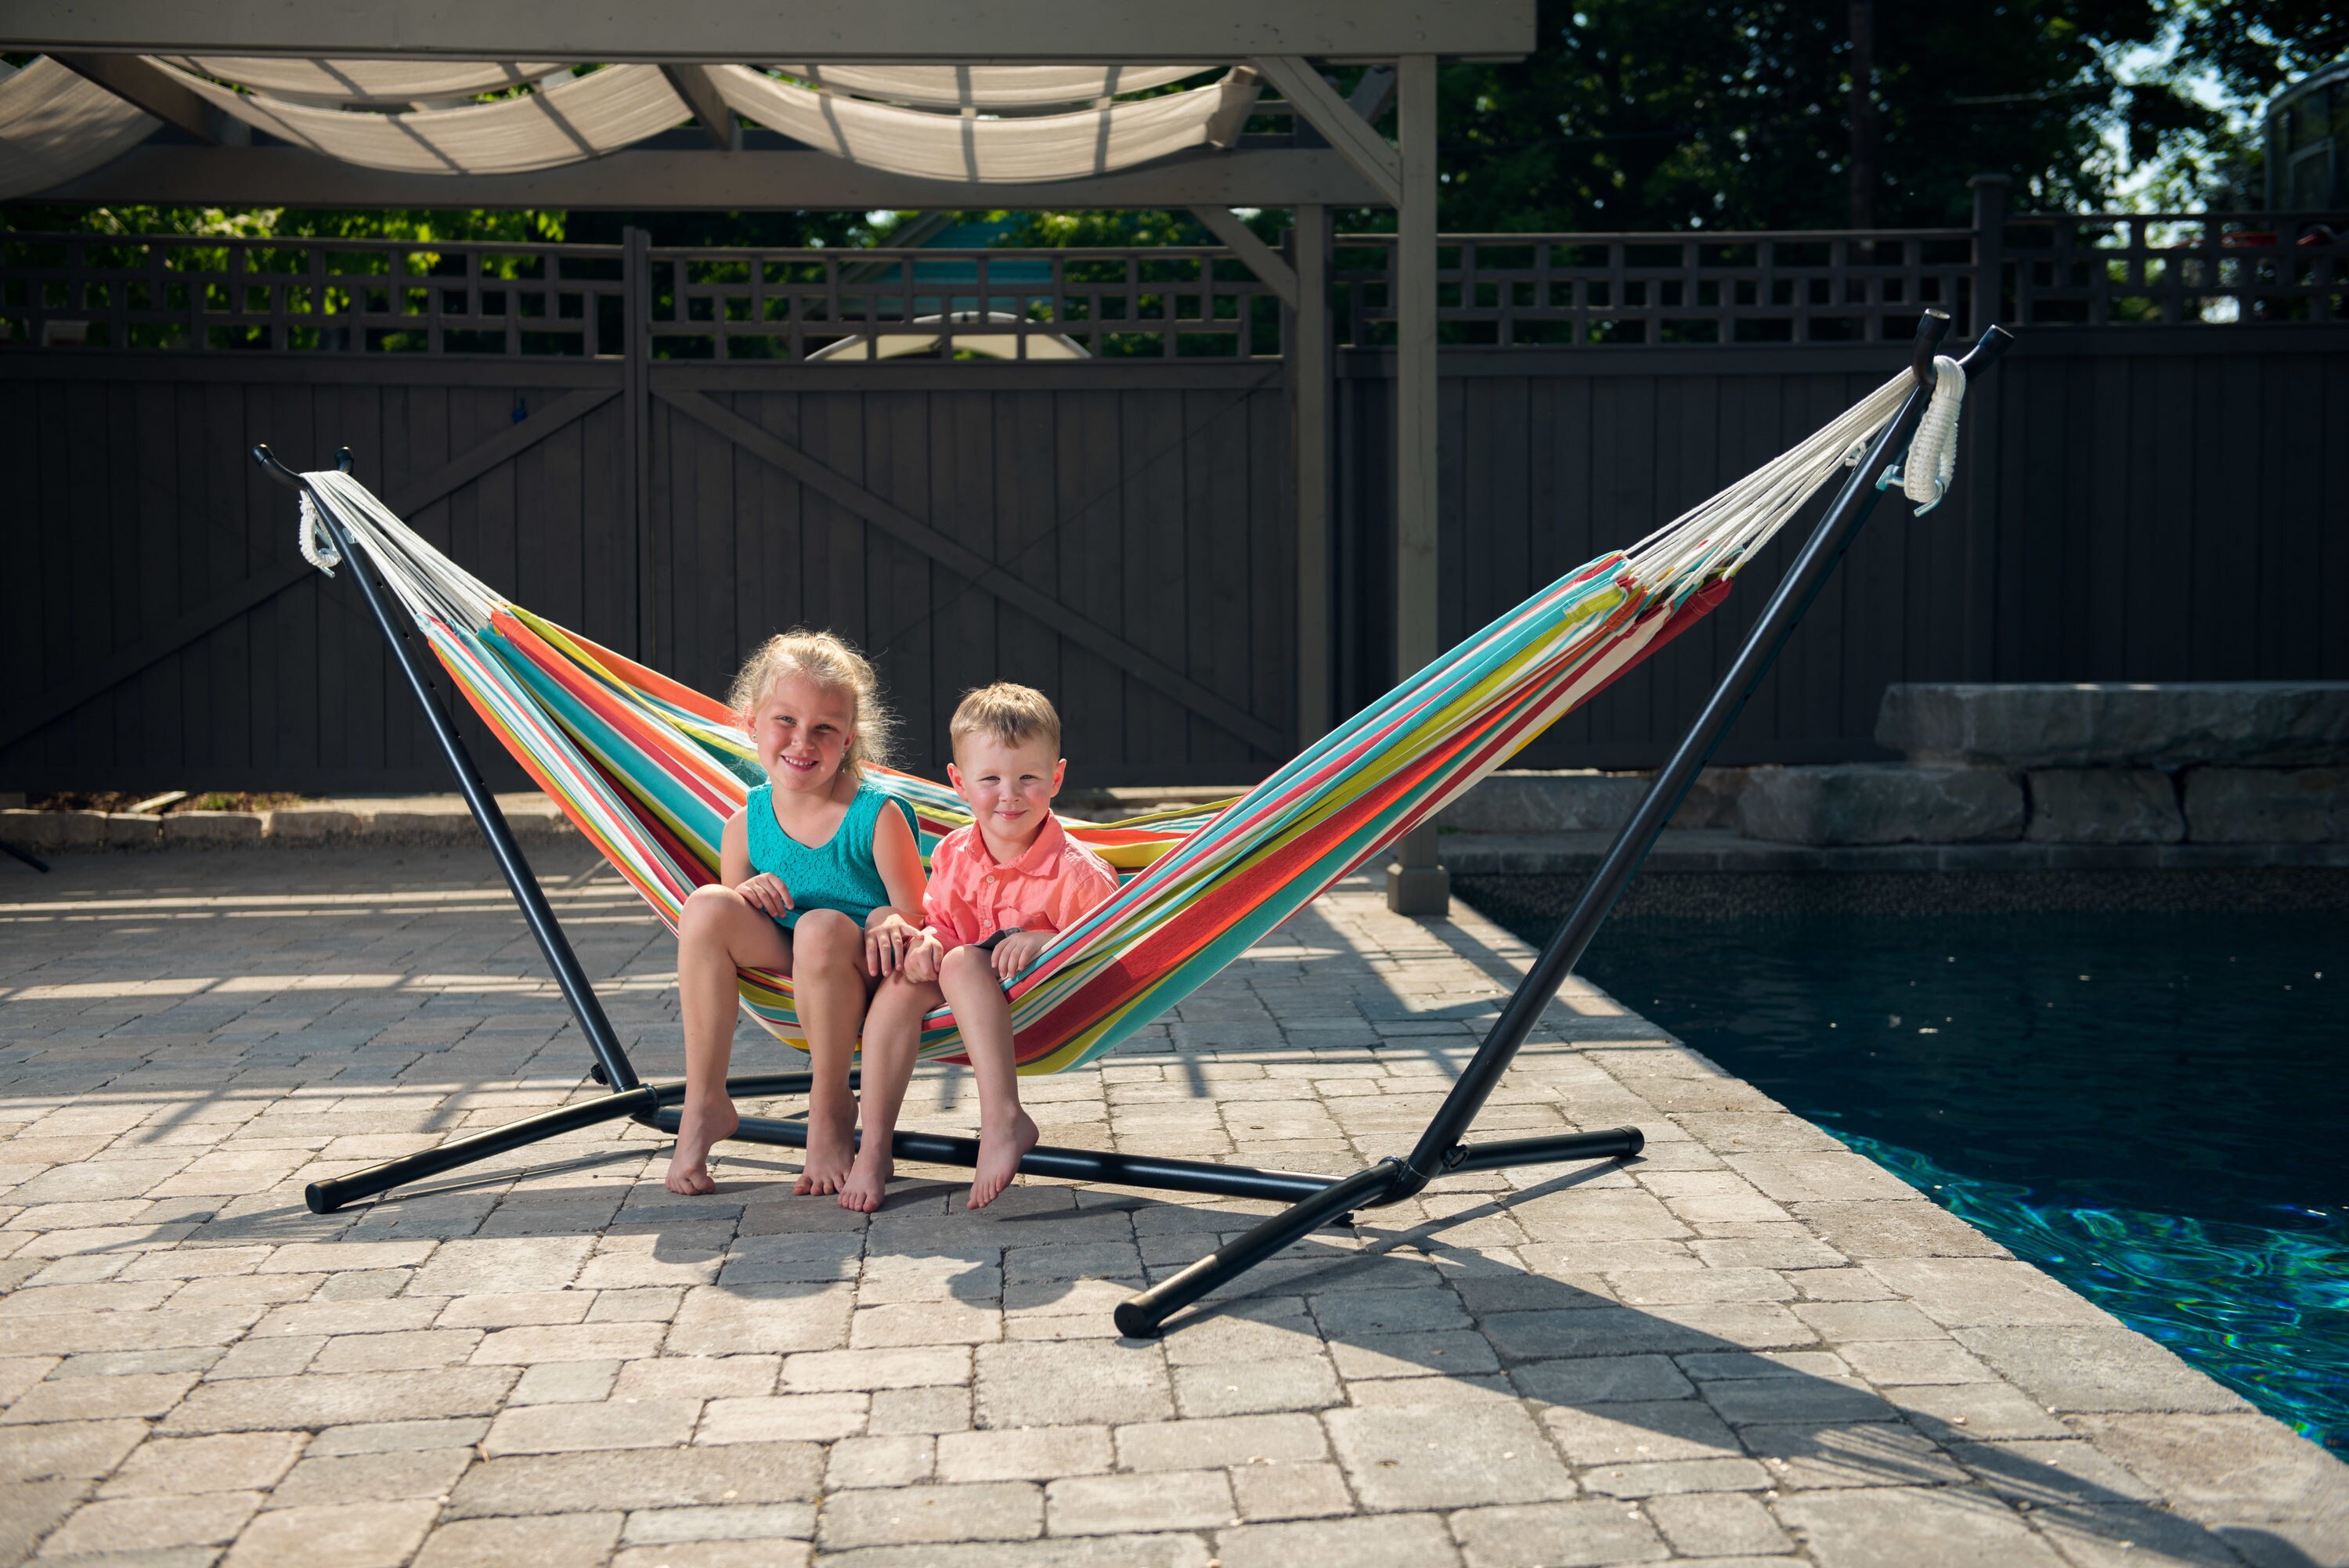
{"x":666,"y":450}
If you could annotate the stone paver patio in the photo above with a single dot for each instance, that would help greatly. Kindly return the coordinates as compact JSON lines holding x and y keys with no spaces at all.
{"x":1749,"y":1347}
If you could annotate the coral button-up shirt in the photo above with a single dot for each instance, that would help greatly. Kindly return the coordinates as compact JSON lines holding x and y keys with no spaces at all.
{"x":972,"y":895}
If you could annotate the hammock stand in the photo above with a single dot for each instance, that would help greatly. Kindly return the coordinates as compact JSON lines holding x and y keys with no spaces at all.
{"x":1314,"y":1200}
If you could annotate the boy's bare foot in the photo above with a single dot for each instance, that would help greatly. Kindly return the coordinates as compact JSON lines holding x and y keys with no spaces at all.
{"x":1000,"y":1153}
{"x":868,"y":1183}
{"x":701,"y":1127}
{"x":831,"y":1148}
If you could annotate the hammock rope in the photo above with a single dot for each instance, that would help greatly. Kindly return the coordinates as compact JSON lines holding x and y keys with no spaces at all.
{"x":650,"y":770}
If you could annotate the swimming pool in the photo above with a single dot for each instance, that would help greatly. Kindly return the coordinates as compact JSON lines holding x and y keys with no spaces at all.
{"x":2149,"y":1107}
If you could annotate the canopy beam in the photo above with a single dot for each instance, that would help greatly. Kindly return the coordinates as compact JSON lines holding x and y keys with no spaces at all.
{"x":142,"y":86}
{"x":673,"y":172}
{"x":817,"y":32}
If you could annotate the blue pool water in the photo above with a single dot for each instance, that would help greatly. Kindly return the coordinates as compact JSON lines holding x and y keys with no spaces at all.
{"x":2150,"y":1107}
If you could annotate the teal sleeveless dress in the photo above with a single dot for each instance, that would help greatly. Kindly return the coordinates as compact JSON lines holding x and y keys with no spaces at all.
{"x":838,"y":874}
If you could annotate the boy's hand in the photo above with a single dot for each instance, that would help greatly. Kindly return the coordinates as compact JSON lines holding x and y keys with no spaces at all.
{"x":1018,"y":951}
{"x":886,"y":941}
{"x":766,"y":892}
{"x":921,"y":960}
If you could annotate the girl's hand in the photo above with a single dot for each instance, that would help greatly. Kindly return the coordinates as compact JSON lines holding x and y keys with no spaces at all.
{"x":766,"y":892}
{"x":1018,"y":951}
{"x":886,"y":941}
{"x":921,"y":960}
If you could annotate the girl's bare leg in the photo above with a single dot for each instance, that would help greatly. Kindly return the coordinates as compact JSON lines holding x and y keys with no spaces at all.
{"x":983,"y":1013}
{"x":716,"y":933}
{"x":892,"y":1040}
{"x":828,"y":981}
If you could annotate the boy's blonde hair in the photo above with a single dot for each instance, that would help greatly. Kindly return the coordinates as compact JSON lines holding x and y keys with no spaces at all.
{"x":828,"y":661}
{"x":1013,"y":715}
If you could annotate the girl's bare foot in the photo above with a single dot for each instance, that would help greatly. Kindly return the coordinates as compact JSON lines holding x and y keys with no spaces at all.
{"x":831,"y":1146}
{"x":868,"y":1183}
{"x":700,"y":1127}
{"x":1000,"y":1153}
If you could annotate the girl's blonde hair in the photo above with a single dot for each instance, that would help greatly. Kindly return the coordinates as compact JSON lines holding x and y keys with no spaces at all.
{"x":828,"y":661}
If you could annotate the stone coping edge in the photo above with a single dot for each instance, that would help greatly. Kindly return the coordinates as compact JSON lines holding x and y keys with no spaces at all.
{"x":1550,"y":854}
{"x":342,"y":824}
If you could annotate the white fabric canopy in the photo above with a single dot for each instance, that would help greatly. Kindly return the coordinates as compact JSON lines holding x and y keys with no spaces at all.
{"x":1031,"y":150}
{"x":583,"y":118}
{"x":55,"y":125}
{"x":363,"y":81}
{"x":1001,"y":89}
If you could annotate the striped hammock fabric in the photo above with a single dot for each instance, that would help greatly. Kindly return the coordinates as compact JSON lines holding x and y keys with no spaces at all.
{"x":650,"y":770}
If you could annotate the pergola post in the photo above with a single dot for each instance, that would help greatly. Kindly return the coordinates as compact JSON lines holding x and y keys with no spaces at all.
{"x":1308,"y":369}
{"x":1416,"y":883}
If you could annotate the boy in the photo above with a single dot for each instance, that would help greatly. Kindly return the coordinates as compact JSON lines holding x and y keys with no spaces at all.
{"x":999,"y":891}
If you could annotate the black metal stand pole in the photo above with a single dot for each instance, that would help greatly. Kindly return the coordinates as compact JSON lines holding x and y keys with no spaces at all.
{"x":610,"y":1055}
{"x":1440,"y":1150}
{"x":30,"y":859}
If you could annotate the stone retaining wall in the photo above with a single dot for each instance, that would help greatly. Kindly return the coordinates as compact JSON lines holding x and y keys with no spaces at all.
{"x":425,"y":821}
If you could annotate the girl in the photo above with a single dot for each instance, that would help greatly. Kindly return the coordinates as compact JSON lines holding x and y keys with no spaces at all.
{"x":819,"y":878}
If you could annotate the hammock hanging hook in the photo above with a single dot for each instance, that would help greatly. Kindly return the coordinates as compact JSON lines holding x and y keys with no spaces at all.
{"x":1925,"y":471}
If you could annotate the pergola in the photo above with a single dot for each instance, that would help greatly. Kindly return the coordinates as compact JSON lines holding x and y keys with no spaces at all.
{"x":877,"y":104}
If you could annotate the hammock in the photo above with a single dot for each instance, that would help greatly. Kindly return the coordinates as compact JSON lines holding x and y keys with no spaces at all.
{"x":650,"y":770}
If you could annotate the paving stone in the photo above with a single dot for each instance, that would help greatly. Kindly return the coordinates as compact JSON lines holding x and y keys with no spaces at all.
{"x":400,"y":1437}
{"x":2129,"y":1536}
{"x":344,"y":1535}
{"x":167,"y":1467}
{"x":898,"y":1460}
{"x":1602,"y":1379}
{"x":1022,"y":1453}
{"x":566,"y":1383}
{"x":764,"y":1317}
{"x":372,"y":1478}
{"x":1249,"y":1388}
{"x":1030,"y":1385}
{"x":2227,"y":1467}
{"x":908,"y":1515}
{"x":1864,"y":1229}
{"x":1115,"y":1504}
{"x":2096,"y":1368}
{"x":1210,"y":1444}
{"x":1969,"y":1291}
{"x":570,"y":1342}
{"x":1556,"y":1535}
{"x":570,"y":1428}
{"x":1274,"y":1490}
{"x":1676,"y":1477}
{"x":583,"y":1539}
{"x":1077,"y":1552}
{"x":929,"y":1409}
{"x":98,"y":1398}
{"x":847,"y":1371}
{"x":1717,"y":1524}
{"x":154,"y":1523}
{"x":1744,"y":1402}
{"x":1862,"y":1453}
{"x":804,"y":1418}
{"x":1910,"y":1361}
{"x":1928,"y":1529}
{"x":766,"y":1521}
{"x":665,"y":1478}
{"x":1456,"y":1352}
{"x":1398,"y":1459}
{"x":1397,"y":1541}
{"x":1639,"y":1433}
{"x":1422,"y":1392}
{"x":316,"y":1400}
{"x":34,"y":1507}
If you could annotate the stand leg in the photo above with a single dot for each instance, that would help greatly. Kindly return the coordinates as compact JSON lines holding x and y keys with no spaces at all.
{"x":1440,"y":1149}
{"x":30,"y":859}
